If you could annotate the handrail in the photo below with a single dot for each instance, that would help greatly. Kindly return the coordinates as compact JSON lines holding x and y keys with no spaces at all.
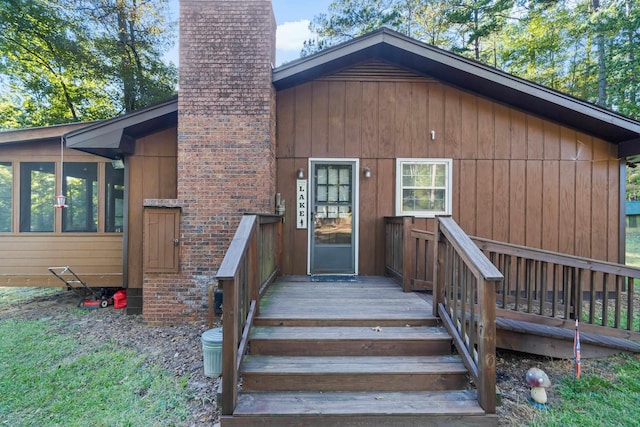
{"x":551,"y":288}
{"x":250,"y":264}
{"x":407,"y":253}
{"x":465,"y":282}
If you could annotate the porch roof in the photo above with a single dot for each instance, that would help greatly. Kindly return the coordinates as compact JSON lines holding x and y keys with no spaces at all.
{"x":473,"y":76}
{"x":114,"y":137}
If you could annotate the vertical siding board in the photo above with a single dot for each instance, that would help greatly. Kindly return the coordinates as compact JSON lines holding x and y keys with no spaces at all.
{"x":370,"y":120}
{"x":583,"y":209}
{"x":585,"y":146}
{"x":453,"y":123}
{"x":368,"y":213}
{"x":551,"y":141}
{"x":353,"y":120}
{"x":469,"y":124}
{"x":550,"y":205}
{"x":502,"y":131}
{"x":567,"y":213}
{"x":320,"y":119}
{"x":601,"y":150}
{"x":568,"y":144}
{"x":285,"y":184}
{"x":436,"y":120}
{"x":517,"y":201}
{"x":385,"y":207}
{"x":518,"y":135}
{"x":484,"y":198}
{"x":168,"y":178}
{"x":455,"y":196}
{"x":467,"y":186}
{"x":533,"y":226}
{"x":613,"y":221}
{"x":303,"y":100}
{"x":337,"y":95}
{"x":486,"y":149}
{"x":501,"y":200}
{"x":420,"y":133}
{"x":600,"y":202}
{"x":535,"y":138}
{"x":387,"y":120}
{"x":404,"y":119}
{"x":285,"y":125}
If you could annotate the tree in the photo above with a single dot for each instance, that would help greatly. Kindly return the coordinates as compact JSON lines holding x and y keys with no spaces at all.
{"x":77,"y":60}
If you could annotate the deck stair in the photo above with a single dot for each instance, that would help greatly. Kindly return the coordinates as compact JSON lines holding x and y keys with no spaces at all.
{"x":334,"y":366}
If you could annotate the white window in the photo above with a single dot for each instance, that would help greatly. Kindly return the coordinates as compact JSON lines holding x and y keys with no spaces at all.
{"x":423,"y":187}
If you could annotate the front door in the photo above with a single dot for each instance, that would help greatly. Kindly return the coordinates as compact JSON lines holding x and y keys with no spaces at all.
{"x":333,"y":230}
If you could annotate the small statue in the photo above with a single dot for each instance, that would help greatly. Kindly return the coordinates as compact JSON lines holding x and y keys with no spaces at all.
{"x":538,"y":380}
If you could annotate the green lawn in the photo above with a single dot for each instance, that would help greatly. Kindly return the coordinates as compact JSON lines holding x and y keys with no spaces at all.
{"x":50,"y":379}
{"x":633,"y":247}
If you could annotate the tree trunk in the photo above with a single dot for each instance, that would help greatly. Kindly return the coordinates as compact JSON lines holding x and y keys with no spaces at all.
{"x":602,"y":69}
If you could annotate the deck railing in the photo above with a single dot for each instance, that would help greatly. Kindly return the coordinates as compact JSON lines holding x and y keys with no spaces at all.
{"x":408,"y":254}
{"x":464,"y":297}
{"x":554,"y":289}
{"x":251,"y":262}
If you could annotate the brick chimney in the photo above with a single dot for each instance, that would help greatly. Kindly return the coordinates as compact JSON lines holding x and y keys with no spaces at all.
{"x":226,"y":144}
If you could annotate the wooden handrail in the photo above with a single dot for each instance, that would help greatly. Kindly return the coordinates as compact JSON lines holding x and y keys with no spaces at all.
{"x":465,"y":282}
{"x":551,"y":286}
{"x":250,"y":264}
{"x":406,"y":252}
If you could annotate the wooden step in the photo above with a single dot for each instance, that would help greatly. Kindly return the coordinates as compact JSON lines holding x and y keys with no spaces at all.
{"x":347,"y":409}
{"x":350,"y":341}
{"x":287,"y":373}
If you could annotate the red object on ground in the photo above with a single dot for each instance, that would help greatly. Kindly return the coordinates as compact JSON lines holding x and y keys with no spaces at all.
{"x":120,"y":299}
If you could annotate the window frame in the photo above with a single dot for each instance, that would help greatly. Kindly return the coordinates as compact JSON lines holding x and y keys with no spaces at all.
{"x":448,"y":163}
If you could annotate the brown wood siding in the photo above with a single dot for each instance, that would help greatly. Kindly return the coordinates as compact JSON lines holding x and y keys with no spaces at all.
{"x":517,"y":177}
{"x":25,"y":257}
{"x":152,"y":175}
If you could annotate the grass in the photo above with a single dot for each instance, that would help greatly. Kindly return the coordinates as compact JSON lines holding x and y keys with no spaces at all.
{"x":50,"y":379}
{"x":607,"y":396}
{"x":11,"y":295}
{"x":633,"y":247}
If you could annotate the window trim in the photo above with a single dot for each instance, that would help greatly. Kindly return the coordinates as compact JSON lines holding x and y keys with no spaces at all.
{"x":448,"y":190}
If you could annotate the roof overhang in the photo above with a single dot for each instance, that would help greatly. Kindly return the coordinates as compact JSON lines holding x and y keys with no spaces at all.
{"x":116,"y":137}
{"x":20,"y":136}
{"x":469,"y":75}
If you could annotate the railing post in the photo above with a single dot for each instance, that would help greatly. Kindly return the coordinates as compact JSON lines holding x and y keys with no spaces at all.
{"x":438,"y":270}
{"x":253,"y":255}
{"x":408,"y":254}
{"x":230,"y":305}
{"x":487,"y":345}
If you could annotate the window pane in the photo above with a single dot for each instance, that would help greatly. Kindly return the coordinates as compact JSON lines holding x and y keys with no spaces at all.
{"x":423,"y":187}
{"x":81,"y":188}
{"x":114,"y":206}
{"x":6,"y":188}
{"x":37,"y":196}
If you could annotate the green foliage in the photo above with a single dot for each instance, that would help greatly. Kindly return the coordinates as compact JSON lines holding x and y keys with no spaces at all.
{"x":49,"y":379}
{"x":79,"y":60}
{"x":608,"y":397}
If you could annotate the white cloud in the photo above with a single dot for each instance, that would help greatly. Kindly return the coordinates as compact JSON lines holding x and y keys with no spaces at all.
{"x":290,"y":36}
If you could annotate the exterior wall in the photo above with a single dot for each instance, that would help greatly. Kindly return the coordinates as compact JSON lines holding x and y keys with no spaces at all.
{"x":152,"y":175}
{"x":226,"y":154}
{"x":516,"y":178}
{"x":25,"y":256}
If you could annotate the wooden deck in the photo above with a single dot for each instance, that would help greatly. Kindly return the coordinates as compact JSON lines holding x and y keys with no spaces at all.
{"x":346,"y":353}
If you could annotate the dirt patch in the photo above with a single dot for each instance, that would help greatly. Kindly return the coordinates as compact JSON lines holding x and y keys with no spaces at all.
{"x":178,"y":348}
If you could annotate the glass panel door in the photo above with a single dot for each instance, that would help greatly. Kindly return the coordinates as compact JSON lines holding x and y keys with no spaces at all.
{"x":332,"y":225}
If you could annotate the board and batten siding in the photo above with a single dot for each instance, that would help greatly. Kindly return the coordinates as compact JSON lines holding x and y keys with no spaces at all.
{"x":516,"y":177}
{"x":26,"y":257}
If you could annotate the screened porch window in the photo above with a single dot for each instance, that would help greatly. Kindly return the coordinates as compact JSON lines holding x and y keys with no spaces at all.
{"x":114,"y":206}
{"x":37,"y":192}
{"x":80,"y":185}
{"x":423,"y":187}
{"x":6,"y":188}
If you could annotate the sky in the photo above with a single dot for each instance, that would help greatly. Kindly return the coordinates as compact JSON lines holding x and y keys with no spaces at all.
{"x":292,"y":17}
